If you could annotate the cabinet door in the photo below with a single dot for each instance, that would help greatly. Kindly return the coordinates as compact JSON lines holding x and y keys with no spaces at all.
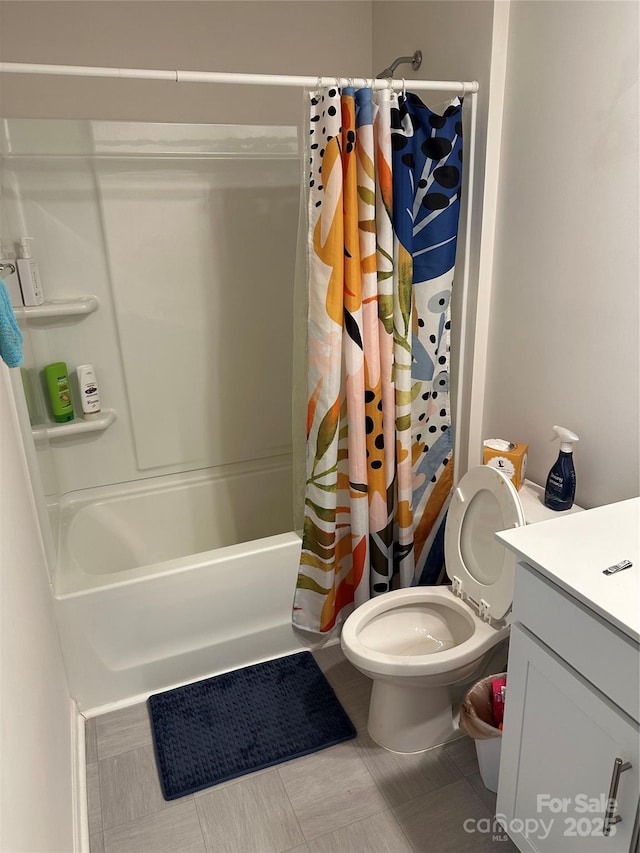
{"x":561,"y":738}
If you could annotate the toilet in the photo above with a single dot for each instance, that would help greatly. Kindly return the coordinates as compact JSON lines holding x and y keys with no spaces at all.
{"x":417,"y":643}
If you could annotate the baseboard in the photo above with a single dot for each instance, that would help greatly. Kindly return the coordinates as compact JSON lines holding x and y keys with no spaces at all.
{"x":79,"y":782}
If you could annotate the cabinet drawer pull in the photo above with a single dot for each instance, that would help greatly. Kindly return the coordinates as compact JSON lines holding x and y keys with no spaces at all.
{"x":619,"y":766}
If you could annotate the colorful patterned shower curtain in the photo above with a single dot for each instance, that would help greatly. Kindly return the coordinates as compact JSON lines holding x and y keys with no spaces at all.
{"x":384,"y":199}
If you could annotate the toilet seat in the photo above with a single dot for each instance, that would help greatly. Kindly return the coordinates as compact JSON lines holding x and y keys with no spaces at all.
{"x":481,"y":569}
{"x":374,"y":658}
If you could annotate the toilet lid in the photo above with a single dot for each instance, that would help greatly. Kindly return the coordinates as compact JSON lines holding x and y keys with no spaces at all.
{"x":484,"y":502}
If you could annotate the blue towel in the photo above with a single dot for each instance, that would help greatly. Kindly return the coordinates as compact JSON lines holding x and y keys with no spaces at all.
{"x":10,"y":334}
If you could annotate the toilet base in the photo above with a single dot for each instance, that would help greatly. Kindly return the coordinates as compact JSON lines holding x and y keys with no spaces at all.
{"x":410,"y":719}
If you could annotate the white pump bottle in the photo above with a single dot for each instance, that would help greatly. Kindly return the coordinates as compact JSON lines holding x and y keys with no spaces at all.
{"x":29,"y":275}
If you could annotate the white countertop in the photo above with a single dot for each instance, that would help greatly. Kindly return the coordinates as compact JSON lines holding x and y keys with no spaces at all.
{"x":573,"y":550}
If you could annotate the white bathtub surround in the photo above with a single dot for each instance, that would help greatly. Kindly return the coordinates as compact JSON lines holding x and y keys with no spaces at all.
{"x":196,"y":571}
{"x":190,"y":334}
{"x":173,"y":555}
{"x":118,"y":533}
{"x":195,"y":616}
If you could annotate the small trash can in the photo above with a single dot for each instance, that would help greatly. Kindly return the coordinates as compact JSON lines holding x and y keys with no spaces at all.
{"x":477,"y":720}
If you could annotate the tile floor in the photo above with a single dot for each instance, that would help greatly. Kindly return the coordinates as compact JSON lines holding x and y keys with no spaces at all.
{"x":350,"y":798}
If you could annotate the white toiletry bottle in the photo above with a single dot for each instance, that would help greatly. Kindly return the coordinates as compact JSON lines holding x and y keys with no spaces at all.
{"x":29,"y":275}
{"x":89,"y":395}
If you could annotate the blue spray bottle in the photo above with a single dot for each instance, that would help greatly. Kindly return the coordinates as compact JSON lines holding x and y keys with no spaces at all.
{"x":561,"y":482}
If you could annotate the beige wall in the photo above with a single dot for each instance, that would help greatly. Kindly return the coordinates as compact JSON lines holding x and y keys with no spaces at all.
{"x":563,"y":340}
{"x":280,"y":37}
{"x":454,"y":37}
{"x":36,"y":807}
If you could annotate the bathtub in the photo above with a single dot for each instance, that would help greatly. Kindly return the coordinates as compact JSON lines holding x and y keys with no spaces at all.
{"x":165,"y":581}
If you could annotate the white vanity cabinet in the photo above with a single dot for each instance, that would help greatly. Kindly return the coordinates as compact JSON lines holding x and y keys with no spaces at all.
{"x":571,"y":735}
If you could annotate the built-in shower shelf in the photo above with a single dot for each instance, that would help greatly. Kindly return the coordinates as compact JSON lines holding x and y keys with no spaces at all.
{"x":79,"y":426}
{"x":77,"y":306}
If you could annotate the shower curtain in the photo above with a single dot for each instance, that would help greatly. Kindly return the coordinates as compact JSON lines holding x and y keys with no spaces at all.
{"x":384,"y":184}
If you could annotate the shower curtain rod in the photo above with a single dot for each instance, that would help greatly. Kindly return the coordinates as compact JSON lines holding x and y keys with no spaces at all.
{"x":224,"y":77}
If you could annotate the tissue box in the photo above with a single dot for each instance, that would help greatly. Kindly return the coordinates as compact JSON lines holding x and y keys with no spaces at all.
{"x":507,"y":457}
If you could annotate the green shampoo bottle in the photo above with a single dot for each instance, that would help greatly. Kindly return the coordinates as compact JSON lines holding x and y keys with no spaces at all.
{"x":57,"y":379}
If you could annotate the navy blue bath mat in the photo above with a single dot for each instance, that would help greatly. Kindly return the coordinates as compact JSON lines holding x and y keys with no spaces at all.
{"x":232,"y":724}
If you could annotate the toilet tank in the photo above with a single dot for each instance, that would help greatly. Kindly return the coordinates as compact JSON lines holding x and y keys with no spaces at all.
{"x":532,"y":499}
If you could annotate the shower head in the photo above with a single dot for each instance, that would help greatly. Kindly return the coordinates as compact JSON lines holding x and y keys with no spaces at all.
{"x":415,"y":61}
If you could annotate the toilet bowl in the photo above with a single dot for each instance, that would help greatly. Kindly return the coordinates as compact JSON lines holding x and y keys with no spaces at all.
{"x":417,"y":643}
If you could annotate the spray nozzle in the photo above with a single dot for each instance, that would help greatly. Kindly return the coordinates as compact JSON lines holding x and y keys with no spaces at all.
{"x":567,"y":438}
